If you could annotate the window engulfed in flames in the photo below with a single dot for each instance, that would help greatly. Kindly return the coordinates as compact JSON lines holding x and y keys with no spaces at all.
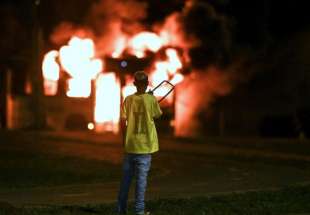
{"x":78,"y":59}
{"x":51,"y":71}
{"x":107,"y":104}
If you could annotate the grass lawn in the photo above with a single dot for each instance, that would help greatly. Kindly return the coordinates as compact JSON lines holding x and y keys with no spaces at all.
{"x":27,"y":170}
{"x":291,"y":200}
{"x":26,"y":162}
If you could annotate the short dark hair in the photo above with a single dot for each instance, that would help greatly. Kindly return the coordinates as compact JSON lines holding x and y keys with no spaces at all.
{"x":140,"y":77}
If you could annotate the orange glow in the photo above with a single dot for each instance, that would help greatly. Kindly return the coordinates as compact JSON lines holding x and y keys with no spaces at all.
{"x":167,"y":70}
{"x":145,"y":41}
{"x":120,"y":46}
{"x":90,"y":126}
{"x":165,"y":37}
{"x":160,"y":73}
{"x":171,"y":31}
{"x":160,"y":92}
{"x":107,"y":104}
{"x":50,"y":69}
{"x":77,"y":59}
{"x":50,"y":87}
{"x":79,"y":88}
{"x":174,"y":61}
{"x":128,"y":90}
{"x":177,"y":78}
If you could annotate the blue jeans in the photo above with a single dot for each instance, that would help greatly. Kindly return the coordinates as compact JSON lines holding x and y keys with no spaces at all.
{"x":137,"y":165}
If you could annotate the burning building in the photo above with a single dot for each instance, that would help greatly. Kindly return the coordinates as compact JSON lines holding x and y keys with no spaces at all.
{"x":88,"y":71}
{"x":75,"y":71}
{"x":103,"y":56}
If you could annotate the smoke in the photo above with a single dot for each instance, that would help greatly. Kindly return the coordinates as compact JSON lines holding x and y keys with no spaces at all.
{"x":173,"y":31}
{"x":205,"y":38}
{"x":197,"y":93}
{"x":112,"y":19}
{"x":203,"y":35}
{"x":198,"y":29}
{"x":63,"y":32}
{"x":106,"y":21}
{"x":127,"y":13}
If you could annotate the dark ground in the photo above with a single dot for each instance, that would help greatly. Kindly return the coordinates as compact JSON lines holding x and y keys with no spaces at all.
{"x":83,"y":168}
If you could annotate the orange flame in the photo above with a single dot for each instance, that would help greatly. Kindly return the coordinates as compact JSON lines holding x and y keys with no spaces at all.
{"x":167,"y":70}
{"x":177,"y":78}
{"x":50,"y":69}
{"x":77,"y":59}
{"x":128,"y":90}
{"x":107,"y":104}
{"x":160,"y":73}
{"x":174,"y":62}
{"x":78,"y":87}
{"x":145,"y":41}
{"x":120,"y":46}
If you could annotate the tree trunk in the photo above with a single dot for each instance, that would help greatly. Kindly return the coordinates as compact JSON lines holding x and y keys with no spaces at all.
{"x":38,"y":106}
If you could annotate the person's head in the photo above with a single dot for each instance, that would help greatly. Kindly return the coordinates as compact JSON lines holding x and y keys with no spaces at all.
{"x":141,"y":81}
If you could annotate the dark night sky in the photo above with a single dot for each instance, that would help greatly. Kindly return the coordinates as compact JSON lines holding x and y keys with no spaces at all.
{"x":252,"y":17}
{"x":255,"y":22}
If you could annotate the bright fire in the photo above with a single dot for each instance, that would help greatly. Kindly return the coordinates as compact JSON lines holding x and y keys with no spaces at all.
{"x":78,"y":60}
{"x":107,"y":105}
{"x":145,"y":41}
{"x":167,"y":70}
{"x":50,"y":70}
{"x":120,"y":45}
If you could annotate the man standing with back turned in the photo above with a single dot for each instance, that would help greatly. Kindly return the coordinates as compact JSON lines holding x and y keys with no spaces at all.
{"x":140,"y":141}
